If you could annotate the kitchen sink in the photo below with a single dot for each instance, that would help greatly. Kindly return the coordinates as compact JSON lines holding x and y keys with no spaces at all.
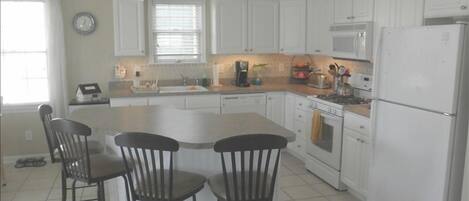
{"x":181,"y":89}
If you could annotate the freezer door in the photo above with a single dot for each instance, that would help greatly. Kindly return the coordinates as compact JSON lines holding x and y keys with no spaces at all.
{"x":410,"y":154}
{"x":419,"y":66}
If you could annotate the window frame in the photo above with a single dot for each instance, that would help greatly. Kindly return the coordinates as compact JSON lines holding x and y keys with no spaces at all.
{"x":203,"y":34}
{"x":6,"y":108}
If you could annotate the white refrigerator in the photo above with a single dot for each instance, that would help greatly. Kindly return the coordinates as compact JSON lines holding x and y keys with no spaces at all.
{"x":420,"y":114}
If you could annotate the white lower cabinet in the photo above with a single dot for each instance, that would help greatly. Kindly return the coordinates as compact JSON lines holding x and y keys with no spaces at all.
{"x":178,"y":102}
{"x":128,"y":102}
{"x":275,"y":107}
{"x":204,"y":103}
{"x":296,"y":108}
{"x":355,"y":154}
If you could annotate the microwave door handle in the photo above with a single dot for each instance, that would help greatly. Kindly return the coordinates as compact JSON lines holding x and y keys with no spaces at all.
{"x":357,"y":46}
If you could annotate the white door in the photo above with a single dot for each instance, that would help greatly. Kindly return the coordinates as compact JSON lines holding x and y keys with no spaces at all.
{"x":292,"y":26}
{"x":289,"y":111}
{"x":263,"y":26}
{"x":275,"y":108}
{"x":364,"y":166}
{"x":350,"y":172}
{"x":343,"y":11}
{"x":129,"y":36}
{"x":230,"y":27}
{"x":417,"y":62}
{"x":363,"y":10}
{"x":410,"y":157}
{"x":446,"y":8}
{"x":320,"y":18}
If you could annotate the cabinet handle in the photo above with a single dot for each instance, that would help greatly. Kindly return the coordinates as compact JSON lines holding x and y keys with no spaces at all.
{"x":463,"y":7}
{"x":299,"y":146}
{"x":301,"y":104}
{"x":246,"y":49}
{"x":349,"y":18}
{"x":317,"y":50}
{"x":299,"y":131}
{"x":270,"y":98}
{"x":358,"y":139}
{"x":300,"y":116}
{"x":251,"y":49}
{"x":281,"y":49}
{"x":362,"y":127}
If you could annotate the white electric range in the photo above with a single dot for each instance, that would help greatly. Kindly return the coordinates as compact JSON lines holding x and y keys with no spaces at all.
{"x":323,"y":155}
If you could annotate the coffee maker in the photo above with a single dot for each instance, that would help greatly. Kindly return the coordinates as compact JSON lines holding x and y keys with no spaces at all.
{"x":241,"y":73}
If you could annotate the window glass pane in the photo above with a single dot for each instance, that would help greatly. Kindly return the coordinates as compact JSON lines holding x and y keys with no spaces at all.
{"x":23,"y":52}
{"x":176,"y":17}
{"x":177,"y":43}
{"x":177,"y":31}
{"x":22,"y":26}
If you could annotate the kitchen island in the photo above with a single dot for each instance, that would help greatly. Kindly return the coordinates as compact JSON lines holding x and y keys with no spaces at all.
{"x":196,"y":133}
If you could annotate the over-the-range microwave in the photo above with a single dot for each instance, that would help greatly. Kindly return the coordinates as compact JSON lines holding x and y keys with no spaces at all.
{"x":352,"y":41}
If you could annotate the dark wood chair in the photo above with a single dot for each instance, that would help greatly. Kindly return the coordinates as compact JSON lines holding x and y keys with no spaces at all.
{"x":145,"y":155}
{"x":94,"y":147}
{"x":78,"y":164}
{"x":247,"y":175}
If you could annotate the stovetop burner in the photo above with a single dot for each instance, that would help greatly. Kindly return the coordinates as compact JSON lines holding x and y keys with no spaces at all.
{"x":343,"y":100}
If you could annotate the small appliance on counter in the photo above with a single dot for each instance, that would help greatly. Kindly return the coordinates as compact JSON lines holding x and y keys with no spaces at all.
{"x":88,"y":92}
{"x":241,"y":74}
{"x":319,"y":81}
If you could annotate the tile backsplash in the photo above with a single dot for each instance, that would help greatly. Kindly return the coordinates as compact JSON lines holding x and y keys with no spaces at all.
{"x":278,"y":65}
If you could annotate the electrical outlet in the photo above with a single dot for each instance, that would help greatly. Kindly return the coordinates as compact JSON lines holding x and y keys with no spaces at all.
{"x":281,"y":67}
{"x":28,"y":135}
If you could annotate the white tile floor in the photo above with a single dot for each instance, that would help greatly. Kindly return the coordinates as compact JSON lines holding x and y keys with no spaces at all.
{"x":43,"y":184}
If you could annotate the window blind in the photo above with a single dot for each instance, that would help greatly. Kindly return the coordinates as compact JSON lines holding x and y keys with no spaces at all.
{"x":177,"y":33}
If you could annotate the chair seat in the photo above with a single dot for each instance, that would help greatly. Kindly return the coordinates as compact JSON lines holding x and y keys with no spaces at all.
{"x":185,"y":184}
{"x":94,"y":147}
{"x":217,"y":185}
{"x":104,"y":167}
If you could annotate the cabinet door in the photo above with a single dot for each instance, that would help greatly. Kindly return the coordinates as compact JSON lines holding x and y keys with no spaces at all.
{"x":320,"y":18}
{"x":289,"y":111}
{"x":128,"y":102}
{"x":396,"y":13}
{"x":263,"y":26}
{"x":343,"y":11}
{"x":292,"y":26}
{"x":362,"y":10}
{"x":350,"y":173}
{"x":229,"y":26}
{"x":129,"y":36}
{"x":446,"y":8}
{"x":178,"y":102}
{"x":364,"y":166}
{"x":275,"y":107}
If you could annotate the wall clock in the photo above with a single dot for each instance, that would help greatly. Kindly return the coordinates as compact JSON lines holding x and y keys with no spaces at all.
{"x":84,"y":23}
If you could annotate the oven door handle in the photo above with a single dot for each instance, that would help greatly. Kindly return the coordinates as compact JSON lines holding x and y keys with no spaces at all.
{"x":326,"y":115}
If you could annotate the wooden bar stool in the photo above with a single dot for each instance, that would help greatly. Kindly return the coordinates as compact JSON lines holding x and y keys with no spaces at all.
{"x":94,"y":147}
{"x":144,"y":156}
{"x":251,"y":176}
{"x":78,"y":164}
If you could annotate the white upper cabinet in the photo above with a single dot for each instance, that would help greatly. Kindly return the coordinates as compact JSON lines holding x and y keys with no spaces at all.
{"x":396,"y":13}
{"x":446,"y":8}
{"x":320,"y":18}
{"x":229,"y":26}
{"x":343,"y":11}
{"x":129,"y":36}
{"x":347,"y":11}
{"x":292,"y":26}
{"x":263,"y":26}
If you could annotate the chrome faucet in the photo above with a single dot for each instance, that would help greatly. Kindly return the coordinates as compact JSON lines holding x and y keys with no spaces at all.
{"x":184,"y":79}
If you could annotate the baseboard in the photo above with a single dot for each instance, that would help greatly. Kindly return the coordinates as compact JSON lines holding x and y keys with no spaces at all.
{"x":13,"y":159}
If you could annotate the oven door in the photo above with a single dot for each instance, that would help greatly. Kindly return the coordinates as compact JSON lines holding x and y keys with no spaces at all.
{"x":344,"y":44}
{"x":328,"y":147}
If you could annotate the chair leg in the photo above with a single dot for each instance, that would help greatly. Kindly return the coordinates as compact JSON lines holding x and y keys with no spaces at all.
{"x":74,"y":197}
{"x":101,"y":191}
{"x":126,"y":187}
{"x":193,"y":198}
{"x":64,"y":186}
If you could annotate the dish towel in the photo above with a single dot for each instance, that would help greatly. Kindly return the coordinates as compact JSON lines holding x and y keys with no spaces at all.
{"x":316,"y":127}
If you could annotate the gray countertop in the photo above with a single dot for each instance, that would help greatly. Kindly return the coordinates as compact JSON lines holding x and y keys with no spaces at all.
{"x":191,"y":129}
{"x":122,"y":89}
{"x":363,"y":110}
